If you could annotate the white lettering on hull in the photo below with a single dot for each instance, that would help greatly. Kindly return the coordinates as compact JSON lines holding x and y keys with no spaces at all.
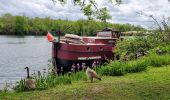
{"x":88,"y":58}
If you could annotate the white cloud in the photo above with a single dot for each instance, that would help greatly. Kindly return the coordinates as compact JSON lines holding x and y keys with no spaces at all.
{"x":124,"y":13}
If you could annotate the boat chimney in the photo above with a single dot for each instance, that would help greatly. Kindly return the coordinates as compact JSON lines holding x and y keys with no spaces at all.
{"x":58,"y":33}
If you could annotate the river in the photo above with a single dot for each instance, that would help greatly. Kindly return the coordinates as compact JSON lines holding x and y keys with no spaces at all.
{"x":18,"y":52}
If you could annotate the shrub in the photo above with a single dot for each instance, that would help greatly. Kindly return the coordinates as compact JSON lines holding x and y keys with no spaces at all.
{"x":118,"y":68}
{"x":136,"y":66}
{"x":164,"y":49}
{"x":114,"y":69}
{"x":157,"y":61}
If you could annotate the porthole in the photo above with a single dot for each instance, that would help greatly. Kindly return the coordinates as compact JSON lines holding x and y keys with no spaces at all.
{"x":88,"y":48}
{"x":101,"y":48}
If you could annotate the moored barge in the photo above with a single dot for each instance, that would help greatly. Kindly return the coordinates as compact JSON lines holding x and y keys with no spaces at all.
{"x":75,"y":50}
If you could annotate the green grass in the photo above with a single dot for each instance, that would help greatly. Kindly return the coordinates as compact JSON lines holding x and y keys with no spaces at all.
{"x":152,"y":84}
{"x":118,"y":68}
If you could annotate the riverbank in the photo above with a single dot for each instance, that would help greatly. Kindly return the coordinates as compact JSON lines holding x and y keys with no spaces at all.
{"x":154,"y":83}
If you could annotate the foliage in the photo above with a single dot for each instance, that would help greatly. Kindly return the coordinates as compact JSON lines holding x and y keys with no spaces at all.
{"x":158,"y":61}
{"x":128,"y":27}
{"x":117,"y":68}
{"x":44,"y":81}
{"x":22,"y":25}
{"x":91,"y":9}
{"x":134,"y":44}
{"x":103,"y":15}
{"x":131,"y":46}
{"x":159,"y":38}
{"x":114,"y":69}
{"x":7,"y":24}
{"x":136,"y":66}
{"x":87,"y":10}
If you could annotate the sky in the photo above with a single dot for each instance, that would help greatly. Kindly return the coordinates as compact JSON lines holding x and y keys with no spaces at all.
{"x":124,"y":13}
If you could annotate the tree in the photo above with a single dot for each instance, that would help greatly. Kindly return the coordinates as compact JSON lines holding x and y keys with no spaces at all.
{"x":21,"y":25}
{"x":87,"y":10}
{"x":38,"y":26}
{"x":161,"y":24}
{"x":103,"y":15}
{"x":8,"y":24}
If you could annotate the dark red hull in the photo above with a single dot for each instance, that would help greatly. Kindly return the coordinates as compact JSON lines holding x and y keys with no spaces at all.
{"x":98,"y":49}
{"x":67,"y":54}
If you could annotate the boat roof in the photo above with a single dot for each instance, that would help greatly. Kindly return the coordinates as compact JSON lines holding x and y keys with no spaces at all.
{"x":98,"y":37}
{"x":84,"y":44}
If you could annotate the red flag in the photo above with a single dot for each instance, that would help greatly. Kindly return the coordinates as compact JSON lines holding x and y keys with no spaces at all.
{"x":50,"y":37}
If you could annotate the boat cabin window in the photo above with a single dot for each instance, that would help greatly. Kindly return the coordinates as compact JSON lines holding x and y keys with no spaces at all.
{"x":105,"y":34}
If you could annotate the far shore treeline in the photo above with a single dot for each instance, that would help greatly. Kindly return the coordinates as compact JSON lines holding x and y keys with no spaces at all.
{"x":23,"y":25}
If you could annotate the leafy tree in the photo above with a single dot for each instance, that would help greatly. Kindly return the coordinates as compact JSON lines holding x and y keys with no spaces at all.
{"x":90,"y":7}
{"x":21,"y":25}
{"x":103,"y":15}
{"x":38,"y":26}
{"x":8,"y":24}
{"x":87,"y":10}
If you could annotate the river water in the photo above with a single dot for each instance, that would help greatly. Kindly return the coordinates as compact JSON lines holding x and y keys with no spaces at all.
{"x":18,"y":52}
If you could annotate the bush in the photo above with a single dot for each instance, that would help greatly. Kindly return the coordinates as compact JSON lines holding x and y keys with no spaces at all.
{"x":157,"y":61}
{"x":114,"y":69}
{"x":164,"y":49}
{"x":136,"y":66}
{"x":118,"y":68}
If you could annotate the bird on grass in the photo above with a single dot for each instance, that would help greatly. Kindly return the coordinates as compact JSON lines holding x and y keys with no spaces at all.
{"x":29,"y":83}
{"x":92,"y":74}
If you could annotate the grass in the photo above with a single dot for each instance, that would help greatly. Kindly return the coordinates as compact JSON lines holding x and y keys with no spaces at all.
{"x":118,"y":68}
{"x":153,"y":84}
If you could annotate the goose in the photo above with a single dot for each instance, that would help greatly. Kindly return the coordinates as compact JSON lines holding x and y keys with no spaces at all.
{"x":29,"y":83}
{"x":92,"y":74}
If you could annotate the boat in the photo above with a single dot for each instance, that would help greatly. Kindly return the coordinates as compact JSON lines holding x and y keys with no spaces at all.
{"x":84,"y":50}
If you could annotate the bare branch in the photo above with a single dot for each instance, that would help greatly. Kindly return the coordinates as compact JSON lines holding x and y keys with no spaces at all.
{"x":152,"y":17}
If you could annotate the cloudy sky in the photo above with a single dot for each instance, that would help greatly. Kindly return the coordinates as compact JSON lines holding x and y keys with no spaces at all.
{"x":124,"y":13}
